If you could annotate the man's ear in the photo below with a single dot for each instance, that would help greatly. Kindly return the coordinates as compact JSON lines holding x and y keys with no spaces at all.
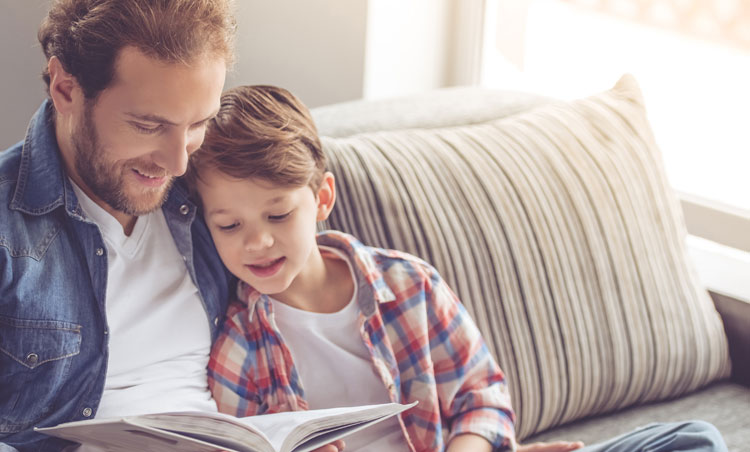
{"x":326,"y":196}
{"x":64,"y":90}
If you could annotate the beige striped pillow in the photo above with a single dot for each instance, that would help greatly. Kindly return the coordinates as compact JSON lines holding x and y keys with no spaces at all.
{"x":559,"y":232}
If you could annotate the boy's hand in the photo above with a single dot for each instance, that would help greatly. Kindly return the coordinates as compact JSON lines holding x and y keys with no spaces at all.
{"x":335,"y":446}
{"x":558,"y":446}
{"x":469,"y":442}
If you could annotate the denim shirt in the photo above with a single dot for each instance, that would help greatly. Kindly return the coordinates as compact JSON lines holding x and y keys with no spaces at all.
{"x":53,"y":278}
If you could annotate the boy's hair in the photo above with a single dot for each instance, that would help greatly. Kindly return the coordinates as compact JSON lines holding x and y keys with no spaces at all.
{"x":87,"y":35}
{"x":261,"y":132}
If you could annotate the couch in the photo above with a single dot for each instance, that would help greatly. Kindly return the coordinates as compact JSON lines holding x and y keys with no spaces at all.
{"x":554,"y":223}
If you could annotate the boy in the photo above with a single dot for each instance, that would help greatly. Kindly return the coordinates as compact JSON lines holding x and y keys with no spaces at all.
{"x":325,"y":321}
{"x":332,"y":323}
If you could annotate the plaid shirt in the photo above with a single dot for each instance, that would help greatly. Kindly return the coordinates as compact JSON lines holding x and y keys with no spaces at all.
{"x":423,"y":345}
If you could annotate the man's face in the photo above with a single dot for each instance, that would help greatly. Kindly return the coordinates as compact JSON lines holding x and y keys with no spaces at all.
{"x":133,"y":140}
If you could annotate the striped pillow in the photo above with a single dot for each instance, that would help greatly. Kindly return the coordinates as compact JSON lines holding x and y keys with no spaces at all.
{"x":558,"y":230}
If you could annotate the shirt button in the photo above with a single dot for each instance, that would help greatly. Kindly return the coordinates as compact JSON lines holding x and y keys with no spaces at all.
{"x":216,"y":321}
{"x":99,"y":252}
{"x":87,"y":412}
{"x":32,"y":358}
{"x":184,"y":209}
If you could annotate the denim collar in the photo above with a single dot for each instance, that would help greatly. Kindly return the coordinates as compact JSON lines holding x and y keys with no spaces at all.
{"x":40,"y":186}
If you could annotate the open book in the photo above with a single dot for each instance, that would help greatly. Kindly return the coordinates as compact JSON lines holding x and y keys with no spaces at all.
{"x":295,"y":431}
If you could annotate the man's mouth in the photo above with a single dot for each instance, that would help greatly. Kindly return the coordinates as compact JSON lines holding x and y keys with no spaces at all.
{"x":151,"y":180}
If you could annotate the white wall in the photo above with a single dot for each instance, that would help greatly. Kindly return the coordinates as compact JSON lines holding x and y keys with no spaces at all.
{"x":407,"y":43}
{"x":21,"y":85}
{"x":325,"y":51}
{"x":314,"y":48}
{"x":418,"y":45}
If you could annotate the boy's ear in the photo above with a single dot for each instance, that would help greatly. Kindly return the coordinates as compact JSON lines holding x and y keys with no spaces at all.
{"x":326,"y":196}
{"x":64,"y":89}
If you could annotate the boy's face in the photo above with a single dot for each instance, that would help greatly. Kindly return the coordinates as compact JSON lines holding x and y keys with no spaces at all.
{"x":265,"y":233}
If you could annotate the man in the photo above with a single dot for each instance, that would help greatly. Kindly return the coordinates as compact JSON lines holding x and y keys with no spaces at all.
{"x":108,"y":304}
{"x":110,"y":290}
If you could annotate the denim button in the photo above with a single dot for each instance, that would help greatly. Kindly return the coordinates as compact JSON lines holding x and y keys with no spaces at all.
{"x":184,"y":209}
{"x":87,"y":412}
{"x":32,"y":358}
{"x":99,"y":252}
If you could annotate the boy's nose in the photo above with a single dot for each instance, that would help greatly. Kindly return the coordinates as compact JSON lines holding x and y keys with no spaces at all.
{"x":258,"y":240}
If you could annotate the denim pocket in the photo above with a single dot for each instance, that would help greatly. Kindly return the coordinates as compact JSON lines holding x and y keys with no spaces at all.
{"x":35,"y":359}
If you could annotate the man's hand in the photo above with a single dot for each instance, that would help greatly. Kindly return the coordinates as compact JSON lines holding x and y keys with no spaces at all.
{"x":558,"y":446}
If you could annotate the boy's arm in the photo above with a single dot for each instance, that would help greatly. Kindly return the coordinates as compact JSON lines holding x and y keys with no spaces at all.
{"x":469,"y":443}
{"x":474,"y":397}
{"x":229,"y":378}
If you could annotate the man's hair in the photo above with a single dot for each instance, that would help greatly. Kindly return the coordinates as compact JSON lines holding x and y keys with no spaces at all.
{"x":87,"y":35}
{"x":262,"y":132}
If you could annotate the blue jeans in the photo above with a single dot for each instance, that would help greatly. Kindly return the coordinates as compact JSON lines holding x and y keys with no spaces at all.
{"x":690,"y":436}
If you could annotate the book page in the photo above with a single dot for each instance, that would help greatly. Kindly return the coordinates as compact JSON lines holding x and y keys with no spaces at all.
{"x":207,"y":432}
{"x":121,"y":436}
{"x":301,"y":426}
{"x":220,"y":429}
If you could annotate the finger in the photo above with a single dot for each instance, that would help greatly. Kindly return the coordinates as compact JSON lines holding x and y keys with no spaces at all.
{"x":335,"y":446}
{"x":558,"y":446}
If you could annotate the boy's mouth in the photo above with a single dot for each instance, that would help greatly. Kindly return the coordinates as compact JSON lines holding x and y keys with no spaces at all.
{"x":268,"y":268}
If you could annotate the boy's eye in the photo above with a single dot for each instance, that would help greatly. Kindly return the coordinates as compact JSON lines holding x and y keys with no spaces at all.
{"x":279,"y":217}
{"x":228,"y":227}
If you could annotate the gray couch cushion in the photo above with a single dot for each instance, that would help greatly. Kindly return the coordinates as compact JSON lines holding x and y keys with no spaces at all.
{"x":557,"y":229}
{"x":440,"y":108}
{"x":725,"y":405}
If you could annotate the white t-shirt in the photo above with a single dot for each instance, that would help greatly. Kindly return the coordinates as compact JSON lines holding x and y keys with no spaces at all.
{"x":158,"y":331}
{"x":336,"y":369}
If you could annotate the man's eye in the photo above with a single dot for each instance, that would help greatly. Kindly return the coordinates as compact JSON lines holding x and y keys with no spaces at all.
{"x":279,"y":217}
{"x":228,"y":227}
{"x":142,"y":128}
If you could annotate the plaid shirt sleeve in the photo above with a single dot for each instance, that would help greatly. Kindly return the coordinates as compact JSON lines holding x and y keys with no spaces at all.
{"x":233,"y":388}
{"x":472,"y":390}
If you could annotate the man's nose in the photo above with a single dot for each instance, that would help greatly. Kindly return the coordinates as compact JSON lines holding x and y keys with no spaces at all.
{"x":177,"y":148}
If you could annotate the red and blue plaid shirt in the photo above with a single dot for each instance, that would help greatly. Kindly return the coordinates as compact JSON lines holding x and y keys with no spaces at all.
{"x":423,"y":345}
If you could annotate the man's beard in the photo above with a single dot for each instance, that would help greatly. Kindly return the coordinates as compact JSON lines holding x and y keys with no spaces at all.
{"x":106,"y":179}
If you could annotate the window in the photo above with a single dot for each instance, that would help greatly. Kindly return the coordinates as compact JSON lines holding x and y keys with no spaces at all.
{"x":692,"y":61}
{"x":691,"y":58}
